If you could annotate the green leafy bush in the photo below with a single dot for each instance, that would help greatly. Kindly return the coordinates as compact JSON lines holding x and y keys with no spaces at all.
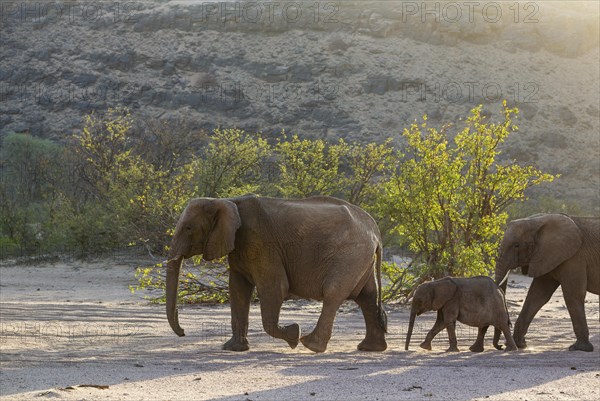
{"x":124,"y":180}
{"x":308,"y":167}
{"x":232,"y":163}
{"x":448,"y":198}
{"x":29,"y":176}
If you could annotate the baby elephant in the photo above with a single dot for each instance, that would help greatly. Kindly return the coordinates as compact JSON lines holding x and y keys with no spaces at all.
{"x":475,"y":301}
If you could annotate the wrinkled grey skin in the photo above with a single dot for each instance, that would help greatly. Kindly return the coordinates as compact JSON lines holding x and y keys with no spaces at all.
{"x":319,"y":248}
{"x":475,"y":301}
{"x":554,"y":249}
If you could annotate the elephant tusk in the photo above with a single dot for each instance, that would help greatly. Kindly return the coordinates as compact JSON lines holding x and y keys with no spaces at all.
{"x":505,"y":278}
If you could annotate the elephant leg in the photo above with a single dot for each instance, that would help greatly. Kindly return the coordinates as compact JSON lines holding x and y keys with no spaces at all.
{"x":270,"y":307}
{"x":478,"y":344}
{"x":510,"y":342}
{"x":451,"y":328}
{"x":497,"y":333}
{"x":438,"y":326}
{"x":574,"y":294}
{"x":368,"y":302}
{"x":240,"y":293}
{"x":317,"y":340}
{"x":539,"y":293}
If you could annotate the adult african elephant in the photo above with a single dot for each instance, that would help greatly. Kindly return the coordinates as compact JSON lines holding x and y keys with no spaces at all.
{"x":554,"y":249}
{"x":319,"y":248}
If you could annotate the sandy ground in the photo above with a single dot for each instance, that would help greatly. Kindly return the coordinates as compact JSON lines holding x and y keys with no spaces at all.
{"x":71,"y":324}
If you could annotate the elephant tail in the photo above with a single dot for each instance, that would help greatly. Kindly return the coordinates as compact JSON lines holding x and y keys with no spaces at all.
{"x":505,"y":306}
{"x":497,"y":331}
{"x":381,"y":316}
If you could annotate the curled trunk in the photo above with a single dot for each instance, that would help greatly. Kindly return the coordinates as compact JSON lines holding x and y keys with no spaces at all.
{"x":411,"y":325}
{"x":172,"y":283}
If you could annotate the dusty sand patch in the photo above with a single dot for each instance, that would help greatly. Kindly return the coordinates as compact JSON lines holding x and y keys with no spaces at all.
{"x":77,"y":323}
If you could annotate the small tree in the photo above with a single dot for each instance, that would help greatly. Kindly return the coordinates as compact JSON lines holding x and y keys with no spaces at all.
{"x":308,"y":167}
{"x":167,"y":144}
{"x":103,"y":147}
{"x":448,"y":198}
{"x":368,"y":166}
{"x":134,"y":199}
{"x":232,"y":163}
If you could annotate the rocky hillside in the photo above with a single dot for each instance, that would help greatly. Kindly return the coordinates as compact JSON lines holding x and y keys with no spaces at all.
{"x":356,"y":69}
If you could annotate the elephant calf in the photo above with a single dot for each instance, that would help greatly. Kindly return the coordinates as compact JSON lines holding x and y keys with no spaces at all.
{"x":475,"y":301}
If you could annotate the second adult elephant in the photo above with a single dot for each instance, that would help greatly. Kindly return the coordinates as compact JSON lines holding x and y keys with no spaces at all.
{"x":319,"y":248}
{"x":554,"y":249}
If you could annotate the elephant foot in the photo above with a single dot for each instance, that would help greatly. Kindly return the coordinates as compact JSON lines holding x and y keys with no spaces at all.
{"x":510,"y":348}
{"x":582,"y":346}
{"x":499,"y":347}
{"x":425,"y":345}
{"x":292,"y":335}
{"x":372,"y":346}
{"x":236,"y":345}
{"x":476,"y":348}
{"x":313,"y":344}
{"x":521,"y":343}
{"x":452,"y":349}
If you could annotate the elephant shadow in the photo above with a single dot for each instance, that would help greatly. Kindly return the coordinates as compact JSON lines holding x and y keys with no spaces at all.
{"x":418,"y":374}
{"x":341,"y":372}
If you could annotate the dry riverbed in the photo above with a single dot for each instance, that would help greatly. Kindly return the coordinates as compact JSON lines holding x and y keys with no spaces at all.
{"x":74,"y":331}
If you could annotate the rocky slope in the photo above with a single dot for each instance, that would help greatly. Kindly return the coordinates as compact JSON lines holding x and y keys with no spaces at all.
{"x":362,"y":70}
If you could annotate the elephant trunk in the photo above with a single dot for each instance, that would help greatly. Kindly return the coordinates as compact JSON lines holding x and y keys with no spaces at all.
{"x":411,"y":325}
{"x":172,"y":283}
{"x":501,"y":274}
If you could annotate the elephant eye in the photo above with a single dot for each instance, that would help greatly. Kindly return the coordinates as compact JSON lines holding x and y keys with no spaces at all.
{"x":516,"y":245}
{"x":188,"y":228}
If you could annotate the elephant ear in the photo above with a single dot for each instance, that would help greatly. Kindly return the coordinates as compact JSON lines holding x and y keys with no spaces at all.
{"x":443,"y":291}
{"x":557,"y":239}
{"x":221,"y":239}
